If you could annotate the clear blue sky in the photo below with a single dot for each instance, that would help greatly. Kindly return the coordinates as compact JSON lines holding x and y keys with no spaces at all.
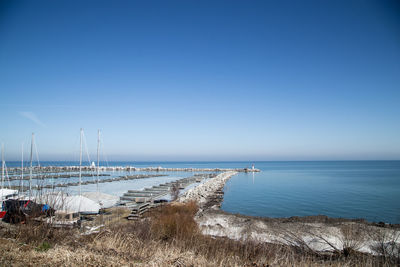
{"x":202,"y":80}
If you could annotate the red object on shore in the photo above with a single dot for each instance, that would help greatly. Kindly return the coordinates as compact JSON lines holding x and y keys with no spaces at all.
{"x":2,"y":213}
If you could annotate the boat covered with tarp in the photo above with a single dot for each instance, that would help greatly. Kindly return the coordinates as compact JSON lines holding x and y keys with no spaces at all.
{"x":61,"y":201}
{"x":17,"y":211}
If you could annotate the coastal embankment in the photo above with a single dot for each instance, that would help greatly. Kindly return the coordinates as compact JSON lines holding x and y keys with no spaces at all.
{"x":313,"y":233}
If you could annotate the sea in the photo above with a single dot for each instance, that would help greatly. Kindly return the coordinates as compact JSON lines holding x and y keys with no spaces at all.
{"x":341,"y":189}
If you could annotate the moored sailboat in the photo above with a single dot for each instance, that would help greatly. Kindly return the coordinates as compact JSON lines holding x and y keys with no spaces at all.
{"x":5,"y":193}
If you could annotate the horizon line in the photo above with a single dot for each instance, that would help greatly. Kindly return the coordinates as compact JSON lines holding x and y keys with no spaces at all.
{"x":131,"y":161}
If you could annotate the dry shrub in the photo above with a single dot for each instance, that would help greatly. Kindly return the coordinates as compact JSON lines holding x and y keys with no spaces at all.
{"x":175,"y":191}
{"x":36,"y":234}
{"x":353,"y":237}
{"x":174,"y":221}
{"x":175,"y":225}
{"x":168,"y":236}
{"x":387,"y":244}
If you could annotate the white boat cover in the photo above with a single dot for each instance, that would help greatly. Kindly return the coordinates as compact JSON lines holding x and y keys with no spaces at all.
{"x":6,"y":193}
{"x":64,"y":202}
{"x":104,"y":200}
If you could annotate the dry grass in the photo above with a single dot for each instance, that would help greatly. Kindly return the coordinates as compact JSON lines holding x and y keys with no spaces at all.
{"x":168,"y":236}
{"x":174,"y":222}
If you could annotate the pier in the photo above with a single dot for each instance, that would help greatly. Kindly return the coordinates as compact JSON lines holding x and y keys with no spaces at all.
{"x":55,"y":176}
{"x":66,"y":169}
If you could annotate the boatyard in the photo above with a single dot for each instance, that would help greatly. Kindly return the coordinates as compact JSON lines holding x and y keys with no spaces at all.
{"x":138,"y":201}
{"x":54,"y":182}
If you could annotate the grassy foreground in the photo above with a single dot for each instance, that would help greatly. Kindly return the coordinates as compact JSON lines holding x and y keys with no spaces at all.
{"x":167,"y":236}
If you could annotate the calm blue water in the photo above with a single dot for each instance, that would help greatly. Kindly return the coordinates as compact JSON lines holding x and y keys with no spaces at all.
{"x":349,"y":189}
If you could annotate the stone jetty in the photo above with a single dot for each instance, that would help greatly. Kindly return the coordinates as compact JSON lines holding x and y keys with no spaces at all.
{"x":209,"y":190}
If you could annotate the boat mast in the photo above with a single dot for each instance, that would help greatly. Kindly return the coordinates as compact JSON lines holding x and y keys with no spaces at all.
{"x":80,"y":163}
{"x":30,"y":169}
{"x":98,"y":158}
{"x":21,"y":183}
{"x":2,"y":166}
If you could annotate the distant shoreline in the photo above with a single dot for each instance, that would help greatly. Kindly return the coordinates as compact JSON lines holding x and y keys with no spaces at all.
{"x":17,"y":162}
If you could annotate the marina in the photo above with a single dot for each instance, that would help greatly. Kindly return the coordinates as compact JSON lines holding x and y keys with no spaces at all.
{"x":109,"y":180}
{"x":66,"y":169}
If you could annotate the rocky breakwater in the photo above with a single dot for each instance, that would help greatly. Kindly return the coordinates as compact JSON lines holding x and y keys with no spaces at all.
{"x":209,"y":194}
